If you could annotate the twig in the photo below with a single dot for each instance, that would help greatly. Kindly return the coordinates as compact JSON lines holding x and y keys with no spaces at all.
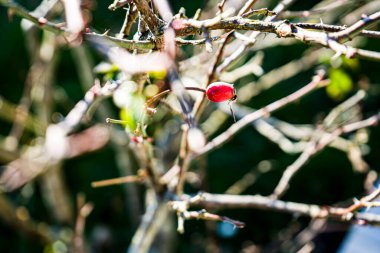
{"x":263,"y":11}
{"x":124,"y":43}
{"x":119,"y":180}
{"x":130,"y":18}
{"x":84,"y":210}
{"x":204,"y":215}
{"x":336,"y":28}
{"x":281,"y":6}
{"x":181,"y":208}
{"x":117,"y":4}
{"x":356,"y":28}
{"x":181,"y":41}
{"x":325,"y":40}
{"x":59,"y":29}
{"x":253,"y":66}
{"x":221,"y":6}
{"x":265,"y":128}
{"x":228,"y":23}
{"x":313,"y":148}
{"x":154,"y":218}
{"x":208,"y":23}
{"x":284,"y":29}
{"x":337,"y":111}
{"x":40,"y":22}
{"x":279,"y":28}
{"x":149,"y":17}
{"x":225,"y":201}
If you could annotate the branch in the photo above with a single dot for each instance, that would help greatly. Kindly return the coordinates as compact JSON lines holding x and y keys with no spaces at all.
{"x":42,"y":23}
{"x":154,"y":218}
{"x":356,"y":28}
{"x":315,"y":147}
{"x":280,"y":7}
{"x":152,"y":21}
{"x":225,"y":201}
{"x":84,"y":210}
{"x":277,"y":75}
{"x":38,"y":21}
{"x":124,"y":43}
{"x":336,"y":28}
{"x":325,"y":40}
{"x":191,"y":26}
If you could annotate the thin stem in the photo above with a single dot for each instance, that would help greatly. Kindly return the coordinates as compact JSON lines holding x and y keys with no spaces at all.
{"x":165,"y":92}
{"x":119,"y":180}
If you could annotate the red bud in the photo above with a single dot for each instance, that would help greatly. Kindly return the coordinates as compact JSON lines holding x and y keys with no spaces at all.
{"x":220,"y":92}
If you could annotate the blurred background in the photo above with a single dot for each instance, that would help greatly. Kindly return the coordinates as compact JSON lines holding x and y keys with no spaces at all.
{"x":40,"y":216}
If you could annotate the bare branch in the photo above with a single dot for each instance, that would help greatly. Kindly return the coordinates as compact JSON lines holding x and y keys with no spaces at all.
{"x":336,"y":28}
{"x":315,"y":147}
{"x":356,"y":28}
{"x":225,"y":201}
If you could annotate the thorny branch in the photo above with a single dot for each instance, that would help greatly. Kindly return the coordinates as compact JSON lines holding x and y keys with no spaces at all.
{"x":282,"y":29}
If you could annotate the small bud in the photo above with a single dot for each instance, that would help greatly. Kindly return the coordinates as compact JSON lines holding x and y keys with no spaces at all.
{"x":195,"y":139}
{"x":220,"y":92}
{"x":42,"y":21}
{"x":151,"y":111}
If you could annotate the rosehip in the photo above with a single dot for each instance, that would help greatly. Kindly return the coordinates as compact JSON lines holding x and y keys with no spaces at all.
{"x":220,"y":92}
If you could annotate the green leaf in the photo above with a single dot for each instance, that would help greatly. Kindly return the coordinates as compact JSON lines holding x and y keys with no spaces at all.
{"x":340,"y":84}
{"x":133,"y":113}
{"x":352,"y":64}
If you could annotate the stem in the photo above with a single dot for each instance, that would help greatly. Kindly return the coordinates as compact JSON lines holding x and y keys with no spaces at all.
{"x":165,"y":92}
{"x":119,"y":180}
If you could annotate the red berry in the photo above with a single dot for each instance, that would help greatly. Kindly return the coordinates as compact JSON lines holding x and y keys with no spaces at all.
{"x":220,"y":92}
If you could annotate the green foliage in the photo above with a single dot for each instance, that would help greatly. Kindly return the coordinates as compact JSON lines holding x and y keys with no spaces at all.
{"x":340,"y":84}
{"x":133,"y":113}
